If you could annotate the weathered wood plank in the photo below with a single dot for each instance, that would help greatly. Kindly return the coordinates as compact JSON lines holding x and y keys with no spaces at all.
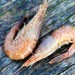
{"x":11,"y":68}
{"x":70,"y":71}
{"x":59,"y":12}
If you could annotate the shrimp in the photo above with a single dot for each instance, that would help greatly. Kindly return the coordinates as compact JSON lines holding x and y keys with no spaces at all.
{"x":25,"y":41}
{"x":61,"y":36}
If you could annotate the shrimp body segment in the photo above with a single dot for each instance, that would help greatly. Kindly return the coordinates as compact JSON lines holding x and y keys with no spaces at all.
{"x":61,"y":36}
{"x":23,"y":44}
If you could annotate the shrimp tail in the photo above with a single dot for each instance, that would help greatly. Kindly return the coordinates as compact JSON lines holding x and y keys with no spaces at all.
{"x":30,"y":61}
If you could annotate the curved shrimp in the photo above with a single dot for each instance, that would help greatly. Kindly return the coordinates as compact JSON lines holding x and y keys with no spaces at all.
{"x":27,"y":37}
{"x":61,"y":36}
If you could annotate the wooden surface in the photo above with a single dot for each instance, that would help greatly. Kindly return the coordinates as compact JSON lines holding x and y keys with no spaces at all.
{"x":60,"y":12}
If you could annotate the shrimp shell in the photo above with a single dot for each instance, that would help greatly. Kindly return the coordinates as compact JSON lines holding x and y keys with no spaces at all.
{"x":26,"y":39}
{"x":61,"y":36}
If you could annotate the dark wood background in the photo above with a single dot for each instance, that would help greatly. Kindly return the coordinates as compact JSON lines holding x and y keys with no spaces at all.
{"x":60,"y":12}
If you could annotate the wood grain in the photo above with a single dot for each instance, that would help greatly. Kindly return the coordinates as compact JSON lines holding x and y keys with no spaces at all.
{"x":60,"y":12}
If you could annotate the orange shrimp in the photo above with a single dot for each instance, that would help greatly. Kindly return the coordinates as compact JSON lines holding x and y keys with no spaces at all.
{"x":61,"y":36}
{"x":23,"y":44}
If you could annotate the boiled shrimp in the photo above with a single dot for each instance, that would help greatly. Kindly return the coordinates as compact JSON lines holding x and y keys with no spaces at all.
{"x":20,"y":46}
{"x":61,"y":36}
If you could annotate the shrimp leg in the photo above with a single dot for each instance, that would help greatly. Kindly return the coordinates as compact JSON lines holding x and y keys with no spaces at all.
{"x":25,"y":41}
{"x":67,"y":54}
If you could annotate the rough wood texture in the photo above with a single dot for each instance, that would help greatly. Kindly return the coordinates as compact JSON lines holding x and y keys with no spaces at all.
{"x":60,"y":12}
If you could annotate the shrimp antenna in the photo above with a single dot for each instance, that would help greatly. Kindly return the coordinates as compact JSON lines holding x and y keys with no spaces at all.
{"x":19,"y":70}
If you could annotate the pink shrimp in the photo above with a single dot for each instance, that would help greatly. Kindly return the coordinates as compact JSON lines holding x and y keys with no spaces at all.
{"x":61,"y":36}
{"x":27,"y":37}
